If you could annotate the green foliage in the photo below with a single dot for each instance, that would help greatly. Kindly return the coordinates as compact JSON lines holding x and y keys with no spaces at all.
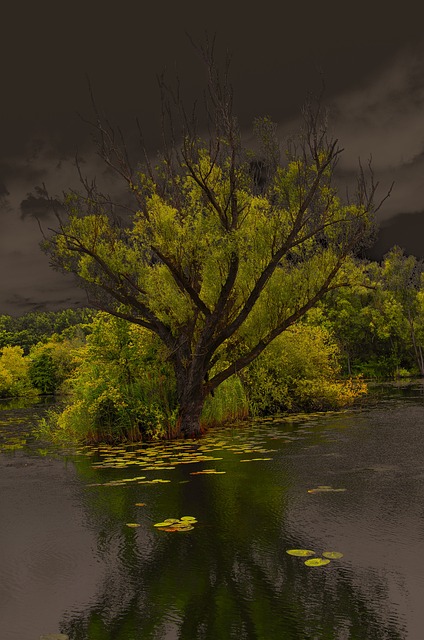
{"x":122,"y":389}
{"x":14,"y":373}
{"x":298,"y":371}
{"x":216,"y":263}
{"x":39,"y":326}
{"x":173,"y":265}
{"x":402,"y":276}
{"x":228,"y":403}
{"x":42,"y":373}
{"x":380,"y":328}
{"x":52,"y":363}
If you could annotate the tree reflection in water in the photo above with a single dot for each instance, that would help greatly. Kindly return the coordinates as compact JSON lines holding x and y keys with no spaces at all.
{"x":230,"y":577}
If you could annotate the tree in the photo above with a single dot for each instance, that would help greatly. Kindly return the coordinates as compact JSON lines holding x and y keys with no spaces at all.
{"x":225,"y":248}
{"x":402,"y":277}
{"x":14,"y":373}
{"x":38,"y":326}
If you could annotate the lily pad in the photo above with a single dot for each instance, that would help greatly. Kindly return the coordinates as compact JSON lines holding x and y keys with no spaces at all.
{"x":133,"y":525}
{"x":325,"y":489}
{"x":302,"y":553}
{"x":171,"y":520}
{"x":254,"y":459}
{"x":316,"y":562}
{"x":179,"y":528}
{"x":333,"y":555}
{"x":166,"y":523}
{"x":206,"y":472}
{"x":173,"y":524}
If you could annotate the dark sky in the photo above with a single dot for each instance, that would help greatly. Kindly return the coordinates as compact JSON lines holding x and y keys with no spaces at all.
{"x":371,"y":55}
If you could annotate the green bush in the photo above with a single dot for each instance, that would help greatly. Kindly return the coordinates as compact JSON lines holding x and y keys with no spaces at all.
{"x":15,"y":380}
{"x":42,"y":373}
{"x":298,"y":372}
{"x":382,"y":367}
{"x":53,"y":363}
{"x":122,"y":389}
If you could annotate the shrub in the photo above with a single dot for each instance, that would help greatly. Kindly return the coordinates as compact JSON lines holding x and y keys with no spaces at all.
{"x":122,"y":389}
{"x":52,"y":363}
{"x":14,"y":373}
{"x":299,"y":371}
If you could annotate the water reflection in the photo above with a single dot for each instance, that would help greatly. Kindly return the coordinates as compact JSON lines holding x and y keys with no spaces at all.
{"x":22,"y":403}
{"x":230,"y":577}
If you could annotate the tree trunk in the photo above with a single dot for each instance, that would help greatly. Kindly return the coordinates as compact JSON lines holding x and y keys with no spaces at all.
{"x":190,"y":413}
{"x":349,"y":371}
{"x":191,"y":398}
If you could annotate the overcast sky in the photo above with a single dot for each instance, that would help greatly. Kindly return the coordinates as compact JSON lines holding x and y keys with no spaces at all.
{"x":371,"y":56}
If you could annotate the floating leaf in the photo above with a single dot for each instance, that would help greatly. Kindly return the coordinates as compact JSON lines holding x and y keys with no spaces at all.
{"x":133,"y":525}
{"x":140,"y":504}
{"x":171,"y":520}
{"x":325,"y":489}
{"x":177,"y":528}
{"x":333,"y":555}
{"x":156,"y":468}
{"x":316,"y":562}
{"x":172,"y":524}
{"x":300,"y":552}
{"x":254,"y":459}
{"x":206,"y":472}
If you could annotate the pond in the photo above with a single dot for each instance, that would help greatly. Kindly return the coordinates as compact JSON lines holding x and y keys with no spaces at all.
{"x":80,"y":555}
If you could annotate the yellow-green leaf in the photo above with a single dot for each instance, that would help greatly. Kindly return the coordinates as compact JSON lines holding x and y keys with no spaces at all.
{"x":326,"y":489}
{"x":300,"y":552}
{"x":333,"y":555}
{"x":316,"y":562}
{"x":171,"y":520}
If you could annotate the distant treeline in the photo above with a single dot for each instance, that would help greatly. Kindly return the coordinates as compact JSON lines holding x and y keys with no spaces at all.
{"x":39,"y":326}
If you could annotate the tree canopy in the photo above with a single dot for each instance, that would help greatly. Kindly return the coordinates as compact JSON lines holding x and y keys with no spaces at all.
{"x":225,"y":247}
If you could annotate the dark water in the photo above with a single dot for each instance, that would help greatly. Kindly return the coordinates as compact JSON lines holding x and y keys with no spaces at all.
{"x":69,"y":563}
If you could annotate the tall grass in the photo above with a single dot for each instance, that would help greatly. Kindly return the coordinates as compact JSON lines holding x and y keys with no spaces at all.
{"x":228,"y":404}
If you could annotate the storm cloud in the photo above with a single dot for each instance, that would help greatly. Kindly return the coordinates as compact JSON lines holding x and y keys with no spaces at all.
{"x":372,"y":63}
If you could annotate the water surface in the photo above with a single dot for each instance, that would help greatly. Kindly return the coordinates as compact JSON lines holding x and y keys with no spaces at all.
{"x":70,"y":563}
